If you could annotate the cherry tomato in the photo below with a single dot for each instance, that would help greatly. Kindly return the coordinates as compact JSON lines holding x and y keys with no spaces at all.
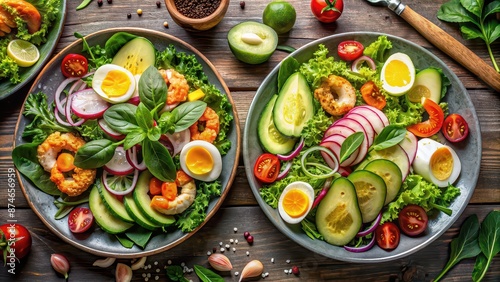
{"x":387,"y":236}
{"x":327,"y":11}
{"x":372,"y":96}
{"x":80,"y":219}
{"x":15,"y":240}
{"x":74,"y":65}
{"x":433,"y":124}
{"x":413,"y":220}
{"x":455,"y":128}
{"x":266,"y":168}
{"x":350,"y":50}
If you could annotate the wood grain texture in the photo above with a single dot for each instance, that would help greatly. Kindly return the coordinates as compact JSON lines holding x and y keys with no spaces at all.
{"x":240,"y":207}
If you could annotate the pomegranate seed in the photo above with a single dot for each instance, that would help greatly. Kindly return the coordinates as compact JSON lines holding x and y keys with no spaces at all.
{"x":246,"y":234}
{"x":295,"y":270}
{"x":250,"y":239}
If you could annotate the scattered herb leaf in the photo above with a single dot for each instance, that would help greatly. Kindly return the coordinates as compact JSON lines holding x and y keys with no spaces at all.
{"x":207,"y":275}
{"x":388,"y":137}
{"x":350,"y":145}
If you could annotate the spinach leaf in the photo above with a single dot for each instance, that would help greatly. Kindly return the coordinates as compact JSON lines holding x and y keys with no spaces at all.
{"x":126,"y":242}
{"x":464,"y":246}
{"x":62,"y":210}
{"x":158,"y":160}
{"x":116,"y":41}
{"x":388,"y":137}
{"x":95,"y":154}
{"x":26,"y":161}
{"x":122,"y":118}
{"x":175,"y":273}
{"x":489,"y":242}
{"x":350,"y":145}
{"x":187,"y":114}
{"x":140,"y":236}
{"x":287,"y":68}
{"x":207,"y":275}
{"x":152,"y":89}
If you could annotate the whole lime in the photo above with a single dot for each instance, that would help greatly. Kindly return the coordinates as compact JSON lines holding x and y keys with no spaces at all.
{"x":280,"y":15}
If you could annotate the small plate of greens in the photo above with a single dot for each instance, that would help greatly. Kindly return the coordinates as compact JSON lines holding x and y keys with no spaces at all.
{"x":321,"y":107}
{"x":123,"y":155}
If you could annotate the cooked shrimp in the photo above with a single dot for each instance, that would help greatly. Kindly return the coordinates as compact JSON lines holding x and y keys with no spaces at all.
{"x":336,"y":95}
{"x":77,"y":180}
{"x":178,"y":87}
{"x":168,"y":204}
{"x":207,"y":127}
{"x":25,"y":10}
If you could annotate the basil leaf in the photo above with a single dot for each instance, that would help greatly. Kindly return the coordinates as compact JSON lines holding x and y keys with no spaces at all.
{"x":350,"y":144}
{"x":95,"y":154}
{"x":133,"y":138}
{"x":116,"y":41}
{"x":152,"y":89}
{"x":388,"y":137}
{"x":207,"y":275}
{"x":489,"y":242}
{"x":122,"y":118}
{"x":187,"y":114}
{"x":158,"y":160}
{"x":154,"y":134}
{"x":144,"y":117}
{"x":465,"y":245}
{"x":175,"y":273}
{"x":287,"y":68}
{"x":167,"y":122}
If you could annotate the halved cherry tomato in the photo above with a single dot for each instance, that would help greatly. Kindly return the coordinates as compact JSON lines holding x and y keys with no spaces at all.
{"x":372,"y":96}
{"x":350,"y":50}
{"x":387,"y":236}
{"x":413,"y":220}
{"x":74,"y":65}
{"x":433,"y":124}
{"x":327,"y":11}
{"x":267,"y":167}
{"x":455,"y":128}
{"x":80,"y":219}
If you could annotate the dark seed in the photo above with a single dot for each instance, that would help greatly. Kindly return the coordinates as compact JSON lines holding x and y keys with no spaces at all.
{"x":214,"y":250}
{"x":197,"y":9}
{"x":99,"y":3}
{"x":295,"y":270}
{"x":129,"y":15}
{"x":110,"y":1}
{"x":158,"y":4}
{"x":242,"y":4}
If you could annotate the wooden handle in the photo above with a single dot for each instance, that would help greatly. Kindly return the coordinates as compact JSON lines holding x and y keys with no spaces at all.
{"x":453,"y":48}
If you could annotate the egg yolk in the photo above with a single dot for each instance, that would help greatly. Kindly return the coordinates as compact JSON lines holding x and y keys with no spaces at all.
{"x":295,"y":203}
{"x":441,"y":163}
{"x":116,"y":83}
{"x":199,"y":160}
{"x":397,"y":73}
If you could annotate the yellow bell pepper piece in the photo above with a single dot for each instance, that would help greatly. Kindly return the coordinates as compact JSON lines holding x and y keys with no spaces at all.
{"x":196,"y":95}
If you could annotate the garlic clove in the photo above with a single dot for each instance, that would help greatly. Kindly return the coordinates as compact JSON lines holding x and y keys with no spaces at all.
{"x":252,"y":269}
{"x":105,"y":262}
{"x":123,"y":273}
{"x":220,"y":262}
{"x":139,"y":263}
{"x":60,"y":264}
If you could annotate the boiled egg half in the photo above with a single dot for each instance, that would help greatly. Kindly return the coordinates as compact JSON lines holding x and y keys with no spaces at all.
{"x":436,"y":162}
{"x":113,"y":83}
{"x":201,"y":160}
{"x":398,"y":74}
{"x":295,"y":201}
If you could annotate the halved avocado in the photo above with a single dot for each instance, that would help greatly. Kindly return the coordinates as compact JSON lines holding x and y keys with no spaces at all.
{"x":136,"y":55}
{"x":252,"y":42}
{"x":294,"y":106}
{"x":338,"y":217}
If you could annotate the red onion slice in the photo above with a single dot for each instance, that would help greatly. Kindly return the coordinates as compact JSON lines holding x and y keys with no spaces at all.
{"x":67,"y":113}
{"x":108,"y":130}
{"x":119,"y":193}
{"x":322,"y":193}
{"x":132,"y":158}
{"x":59,"y":118}
{"x":362,"y":248}
{"x":284,"y":172}
{"x":372,"y":227}
{"x":60,"y":90}
{"x":294,"y":153}
{"x":359,"y":61}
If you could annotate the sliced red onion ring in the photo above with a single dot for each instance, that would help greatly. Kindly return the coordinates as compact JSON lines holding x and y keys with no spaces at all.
{"x":132,"y":158}
{"x":59,"y":118}
{"x":284,"y":172}
{"x":294,"y":153}
{"x":362,"y":248}
{"x":359,"y":61}
{"x":371,"y":228}
{"x":119,"y":165}
{"x":67,"y":113}
{"x":60,"y":90}
{"x":322,"y":193}
{"x":119,"y":193}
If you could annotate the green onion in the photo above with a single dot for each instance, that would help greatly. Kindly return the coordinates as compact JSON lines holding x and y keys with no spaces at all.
{"x":329,"y":171}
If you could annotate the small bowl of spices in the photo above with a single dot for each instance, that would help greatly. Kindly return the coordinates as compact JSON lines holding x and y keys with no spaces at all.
{"x":197,"y":15}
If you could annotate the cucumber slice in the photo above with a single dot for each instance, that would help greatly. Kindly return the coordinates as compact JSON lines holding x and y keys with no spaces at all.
{"x":270,"y":138}
{"x":338,"y":217}
{"x":115,"y":206}
{"x":428,"y":83}
{"x":103,"y":217}
{"x":294,"y":106}
{"x":395,"y":154}
{"x":134,"y":211}
{"x":143,"y":202}
{"x":136,"y":55}
{"x":371,"y":191}
{"x":391,"y":174}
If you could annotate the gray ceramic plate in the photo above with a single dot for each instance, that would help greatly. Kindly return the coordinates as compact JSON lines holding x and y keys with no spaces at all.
{"x":46,"y":50}
{"x":99,"y":242}
{"x":469,"y":151}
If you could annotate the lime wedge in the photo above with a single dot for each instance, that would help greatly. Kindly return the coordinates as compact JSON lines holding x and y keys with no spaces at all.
{"x":24,"y":53}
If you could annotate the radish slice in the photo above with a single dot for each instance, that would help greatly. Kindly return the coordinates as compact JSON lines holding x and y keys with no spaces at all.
{"x":284,"y":172}
{"x":88,"y":104}
{"x":334,"y":143}
{"x":179,"y":140}
{"x":108,"y":130}
{"x":294,"y":153}
{"x":120,"y":185}
{"x":132,"y":158}
{"x":119,"y":165}
{"x":340,"y":129}
{"x":362,"y":248}
{"x":356,"y":65}
{"x":371,"y":228}
{"x":366,"y":124}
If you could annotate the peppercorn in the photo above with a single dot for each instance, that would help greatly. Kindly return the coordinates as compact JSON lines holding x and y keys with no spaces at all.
{"x":110,"y":1}
{"x":139,"y":12}
{"x":129,"y":15}
{"x":295,"y":270}
{"x":99,"y":3}
{"x":158,"y":4}
{"x":246,"y":234}
{"x":242,"y":4}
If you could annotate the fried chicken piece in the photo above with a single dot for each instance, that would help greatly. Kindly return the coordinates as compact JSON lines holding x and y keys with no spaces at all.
{"x":23,"y":9}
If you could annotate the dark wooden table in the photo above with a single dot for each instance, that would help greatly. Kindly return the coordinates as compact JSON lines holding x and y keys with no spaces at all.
{"x":240,"y":208}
